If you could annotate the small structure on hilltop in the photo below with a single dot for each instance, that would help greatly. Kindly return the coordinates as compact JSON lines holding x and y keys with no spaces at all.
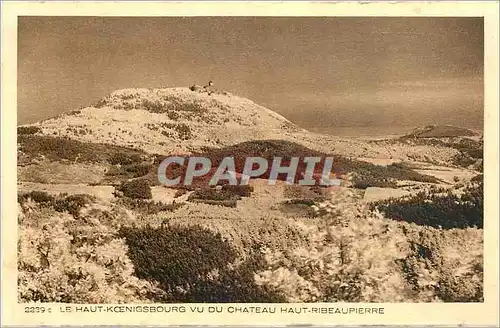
{"x":196,"y":87}
{"x":206,"y":88}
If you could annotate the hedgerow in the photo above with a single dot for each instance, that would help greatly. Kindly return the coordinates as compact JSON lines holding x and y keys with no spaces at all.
{"x":137,"y":189}
{"x":147,"y":206}
{"x":28,"y":130}
{"x":71,"y":204}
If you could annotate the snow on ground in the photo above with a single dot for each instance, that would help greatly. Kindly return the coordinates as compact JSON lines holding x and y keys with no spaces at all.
{"x":373,"y":194}
{"x":103,"y":192}
{"x":449,"y":174}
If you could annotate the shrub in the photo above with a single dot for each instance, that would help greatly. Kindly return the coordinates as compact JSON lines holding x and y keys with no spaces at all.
{"x":453,"y":259}
{"x":138,"y":170}
{"x":270,"y":149}
{"x":114,"y":171}
{"x":298,"y":207}
{"x":355,"y":256}
{"x":226,"y":203}
{"x":73,"y":203}
{"x":137,"y":189}
{"x":128,"y":106}
{"x":226,"y":193}
{"x":477,"y":178}
{"x":469,"y":150}
{"x":60,"y":203}
{"x":154,"y":106}
{"x":285,"y":149}
{"x":342,"y":264}
{"x":476,"y":153}
{"x":209,"y":194}
{"x":237,"y":285}
{"x":36,"y":196}
{"x":308,"y":202}
{"x":289,"y":126}
{"x":100,"y":103}
{"x":149,"y":207}
{"x":28,"y":129}
{"x":363,"y":182}
{"x":463,"y":159}
{"x":191,"y":264}
{"x":176,"y":256}
{"x":183,"y":131}
{"x":445,"y":211}
{"x":402,"y":172}
{"x":174,"y":116}
{"x":123,"y":158}
{"x":238,"y":190}
{"x":62,"y":260}
{"x":369,"y":175}
{"x":471,"y":147}
{"x":181,"y":105}
{"x":304,"y":192}
{"x":75,"y":112}
{"x":180,"y":192}
{"x":171,"y":106}
{"x":128,"y":96}
{"x":56,"y":149}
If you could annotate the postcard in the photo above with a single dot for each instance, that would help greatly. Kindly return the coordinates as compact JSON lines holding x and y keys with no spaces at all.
{"x":250,"y":163}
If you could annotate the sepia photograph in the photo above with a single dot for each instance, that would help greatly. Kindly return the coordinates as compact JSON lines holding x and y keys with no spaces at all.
{"x":169,"y":160}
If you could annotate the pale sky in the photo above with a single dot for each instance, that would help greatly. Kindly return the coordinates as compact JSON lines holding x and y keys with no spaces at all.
{"x":318,"y":72}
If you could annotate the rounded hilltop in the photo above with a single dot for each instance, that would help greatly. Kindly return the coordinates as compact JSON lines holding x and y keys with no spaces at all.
{"x":169,"y":119}
{"x":179,"y":120}
{"x":440,"y":131}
